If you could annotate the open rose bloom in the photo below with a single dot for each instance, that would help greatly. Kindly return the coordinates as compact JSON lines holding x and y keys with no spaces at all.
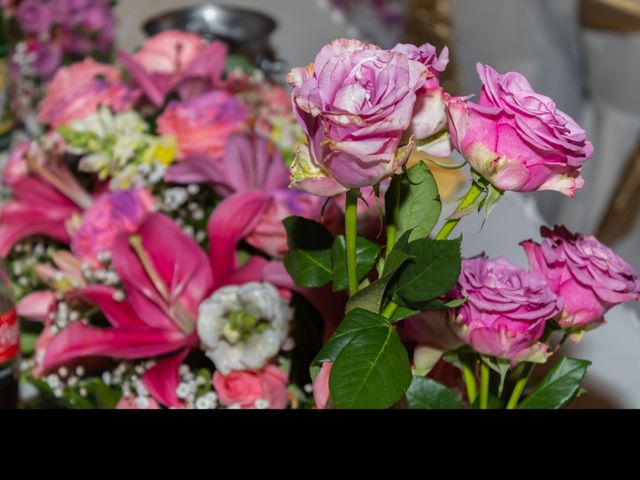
{"x":518,"y":139}
{"x":587,"y":274}
{"x":506,"y":309}
{"x":355,"y":102}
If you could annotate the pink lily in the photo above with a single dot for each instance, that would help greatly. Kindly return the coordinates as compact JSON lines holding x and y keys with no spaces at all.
{"x":200,"y":74}
{"x":166,"y":276}
{"x":251,"y":163}
{"x":45,"y":197}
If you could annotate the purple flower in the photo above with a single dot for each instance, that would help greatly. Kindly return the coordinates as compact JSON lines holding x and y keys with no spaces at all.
{"x":112,"y":213}
{"x":354,"y":102}
{"x":589,"y":276}
{"x":33,"y":16}
{"x":516,"y":138}
{"x":429,"y":113}
{"x":506,"y":309}
{"x":48,"y":57}
{"x":60,"y":11}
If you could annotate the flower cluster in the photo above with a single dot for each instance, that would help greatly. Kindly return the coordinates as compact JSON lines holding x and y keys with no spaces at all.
{"x":364,"y":110}
{"x":49,"y":33}
{"x":144,"y":235}
{"x":163,"y":261}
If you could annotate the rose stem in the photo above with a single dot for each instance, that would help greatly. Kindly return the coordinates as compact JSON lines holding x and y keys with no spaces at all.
{"x":394,"y":210}
{"x":392,"y":231}
{"x":519,"y":388}
{"x":470,"y":382}
{"x":351,"y":233}
{"x":484,"y":386}
{"x":472,"y":195}
{"x":526,"y":373}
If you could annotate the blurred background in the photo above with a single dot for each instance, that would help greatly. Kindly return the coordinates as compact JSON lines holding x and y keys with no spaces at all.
{"x":585,"y":54}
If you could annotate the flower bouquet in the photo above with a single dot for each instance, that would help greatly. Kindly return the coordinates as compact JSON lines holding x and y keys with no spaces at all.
{"x":161,"y":258}
{"x":424,"y":328}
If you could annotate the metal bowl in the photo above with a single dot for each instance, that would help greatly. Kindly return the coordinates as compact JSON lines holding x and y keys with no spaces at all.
{"x":246,"y":32}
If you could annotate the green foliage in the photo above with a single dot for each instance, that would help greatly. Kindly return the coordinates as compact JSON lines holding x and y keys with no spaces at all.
{"x":309,"y":258}
{"x":425,"y":393}
{"x":433,"y":272}
{"x":371,"y":367}
{"x":559,"y":386}
{"x":420,"y":205}
{"x":367,"y":254}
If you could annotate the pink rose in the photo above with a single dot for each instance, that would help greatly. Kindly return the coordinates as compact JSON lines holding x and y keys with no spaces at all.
{"x":77,"y":91}
{"x":506,"y":309}
{"x":321,"y":394}
{"x":33,"y":16}
{"x":516,"y":138}
{"x":354,"y":103}
{"x":203,"y":124}
{"x":246,"y":387}
{"x":429,"y":113}
{"x":586,"y":274}
{"x":111,"y":213}
{"x":130,"y":403}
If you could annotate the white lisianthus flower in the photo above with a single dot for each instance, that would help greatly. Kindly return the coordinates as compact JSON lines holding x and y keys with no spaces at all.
{"x":243,"y":327}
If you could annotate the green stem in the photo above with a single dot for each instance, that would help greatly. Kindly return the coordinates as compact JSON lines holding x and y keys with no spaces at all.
{"x":389,"y":309}
{"x":351,"y":233}
{"x":472,"y":195}
{"x":394,"y":212}
{"x":484,"y":386}
{"x":521,"y":383}
{"x":519,"y":388}
{"x":470,"y":382}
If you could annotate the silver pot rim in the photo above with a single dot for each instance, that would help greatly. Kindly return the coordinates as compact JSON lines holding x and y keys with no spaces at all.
{"x":164,"y":21}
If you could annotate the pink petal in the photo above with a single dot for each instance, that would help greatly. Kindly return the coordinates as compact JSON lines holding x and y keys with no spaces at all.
{"x":36,"y":305}
{"x":19,"y":221}
{"x":233,"y":219}
{"x":195,"y":168}
{"x":119,"y":314}
{"x":180,"y":263}
{"x":252,"y":271}
{"x":162,"y":380}
{"x":79,"y":340}
{"x":145,"y":80}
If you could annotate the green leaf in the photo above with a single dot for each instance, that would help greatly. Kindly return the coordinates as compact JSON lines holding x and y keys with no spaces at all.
{"x":491,"y":199}
{"x":371,"y":371}
{"x":438,"y":305}
{"x":370,"y":298}
{"x":356,"y":321}
{"x":420,"y":205}
{"x":433,"y":272}
{"x":367,"y":254}
{"x":403,"y":312}
{"x":28,"y":342}
{"x":309,"y":258}
{"x":425,"y":393}
{"x":104,"y":397}
{"x":499,"y":365}
{"x":559,"y":386}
